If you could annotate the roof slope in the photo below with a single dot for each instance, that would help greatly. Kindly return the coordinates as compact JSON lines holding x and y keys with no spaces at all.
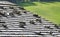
{"x":16,"y":21}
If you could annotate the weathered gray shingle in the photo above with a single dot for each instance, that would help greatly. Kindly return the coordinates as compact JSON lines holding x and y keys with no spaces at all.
{"x":24,"y":23}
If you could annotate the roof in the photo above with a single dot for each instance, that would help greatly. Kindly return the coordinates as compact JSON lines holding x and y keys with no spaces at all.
{"x":16,"y":21}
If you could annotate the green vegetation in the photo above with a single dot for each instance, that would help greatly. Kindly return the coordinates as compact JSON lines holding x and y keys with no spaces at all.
{"x":48,"y":10}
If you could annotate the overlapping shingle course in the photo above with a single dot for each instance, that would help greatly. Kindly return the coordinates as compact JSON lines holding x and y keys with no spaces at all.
{"x":16,"y":21}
